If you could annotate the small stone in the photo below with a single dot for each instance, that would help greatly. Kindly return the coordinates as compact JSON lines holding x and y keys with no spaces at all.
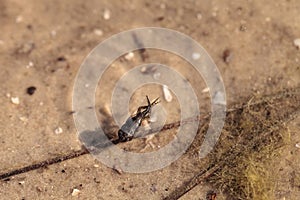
{"x":15,"y":100}
{"x":58,"y":130}
{"x":19,"y":19}
{"x":8,"y":95}
{"x":106,"y":14}
{"x":227,"y":55}
{"x":199,"y":16}
{"x":205,"y":90}
{"x":21,"y":182}
{"x":243,"y":27}
{"x":153,"y":188}
{"x":162,"y":6}
{"x":129,"y":56}
{"x":98,"y":32}
{"x":39,"y":189}
{"x":53,"y":33}
{"x":75,"y":192}
{"x":268,"y":19}
{"x":298,"y":145}
{"x":96,"y":166}
{"x":196,"y":56}
{"x":297,"y":43}
{"x":23,"y":119}
{"x":148,"y":69}
{"x":167,"y":93}
{"x":31,"y":90}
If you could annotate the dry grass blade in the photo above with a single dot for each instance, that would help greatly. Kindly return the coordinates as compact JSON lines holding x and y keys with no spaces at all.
{"x":253,"y":133}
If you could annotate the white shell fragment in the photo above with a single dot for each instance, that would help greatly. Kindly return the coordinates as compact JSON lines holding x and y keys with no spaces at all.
{"x":297,"y":43}
{"x":58,"y":130}
{"x":75,"y":192}
{"x":15,"y":100}
{"x":167,"y":93}
{"x":129,"y":56}
{"x":298,"y":145}
{"x":196,"y":56}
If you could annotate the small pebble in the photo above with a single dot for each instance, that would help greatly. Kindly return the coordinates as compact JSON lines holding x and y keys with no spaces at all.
{"x":96,"y":166}
{"x":205,"y":90}
{"x":98,"y":32}
{"x":30,"y":64}
{"x":19,"y":19}
{"x":167,"y":93}
{"x":31,"y":90}
{"x":243,"y":27}
{"x":153,"y":188}
{"x":15,"y":100}
{"x":75,"y":192}
{"x":39,"y":189}
{"x":53,"y":33}
{"x":129,"y":56}
{"x":106,"y":14}
{"x":148,"y":69}
{"x":297,"y":43}
{"x":196,"y":56}
{"x":162,"y":6}
{"x":227,"y":55}
{"x":61,"y":59}
{"x":298,"y":145}
{"x":199,"y":16}
{"x":23,"y":119}
{"x":22,"y":182}
{"x":58,"y":130}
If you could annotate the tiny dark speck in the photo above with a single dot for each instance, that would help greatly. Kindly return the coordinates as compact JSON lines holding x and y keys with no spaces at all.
{"x":31,"y":90}
{"x":61,"y":58}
